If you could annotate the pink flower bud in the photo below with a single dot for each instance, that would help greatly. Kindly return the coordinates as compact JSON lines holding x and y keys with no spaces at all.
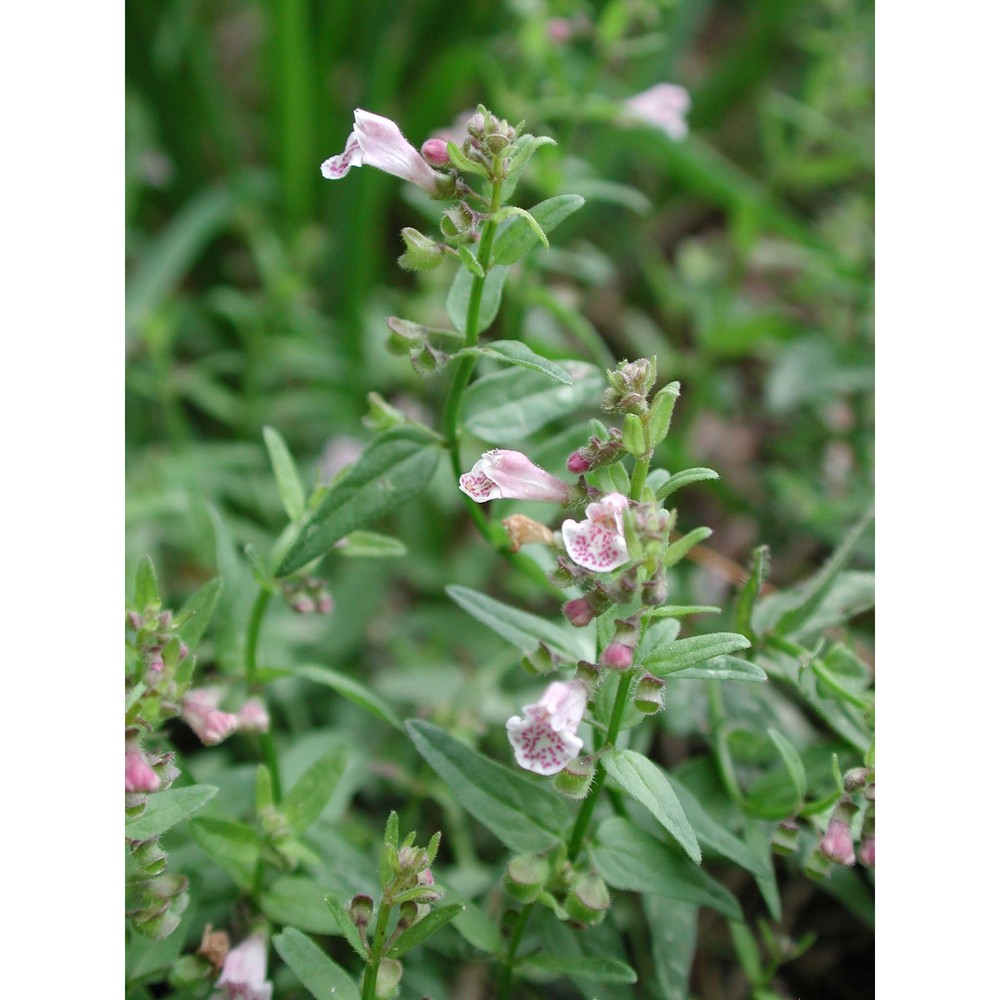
{"x":324,"y":603}
{"x":838,"y":845}
{"x":545,"y":740}
{"x":510,"y":475}
{"x":866,"y":852}
{"x":139,"y":776}
{"x":577,"y":463}
{"x":435,"y":152}
{"x":598,"y":544}
{"x":378,"y":142}
{"x":303,"y":605}
{"x":253,"y":717}
{"x":199,"y":710}
{"x":617,"y":656}
{"x":578,"y":612}
{"x":559,"y":29}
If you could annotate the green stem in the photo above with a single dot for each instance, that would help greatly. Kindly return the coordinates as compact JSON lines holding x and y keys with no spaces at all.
{"x":639,"y":474}
{"x":507,"y":974}
{"x":375,"y":958}
{"x":267,"y":748}
{"x":590,"y":803}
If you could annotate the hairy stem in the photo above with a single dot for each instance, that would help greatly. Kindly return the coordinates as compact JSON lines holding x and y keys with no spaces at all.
{"x":268,"y":751}
{"x":375,"y":958}
{"x":507,"y":974}
{"x":590,"y":803}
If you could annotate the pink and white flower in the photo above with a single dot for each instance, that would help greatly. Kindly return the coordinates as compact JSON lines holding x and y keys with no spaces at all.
{"x":378,"y":142}
{"x":545,"y":740}
{"x":200,"y":710}
{"x":253,"y":717}
{"x":663,"y":106}
{"x":598,"y":544}
{"x":509,"y":475}
{"x":244,"y":972}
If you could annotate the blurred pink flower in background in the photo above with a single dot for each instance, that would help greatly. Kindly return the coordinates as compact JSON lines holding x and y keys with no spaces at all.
{"x":664,"y":106}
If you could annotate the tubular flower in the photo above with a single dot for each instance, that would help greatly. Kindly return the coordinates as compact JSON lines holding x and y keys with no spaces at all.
{"x":838,"y":845}
{"x":244,"y":972}
{"x":253,"y":717}
{"x":200,"y":710}
{"x":509,"y":475}
{"x":378,"y":142}
{"x":139,"y":775}
{"x":664,"y":107}
{"x":598,"y":544}
{"x":545,"y":740}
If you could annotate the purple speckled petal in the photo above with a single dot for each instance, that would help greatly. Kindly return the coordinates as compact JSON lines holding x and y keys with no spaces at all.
{"x":591,"y":545}
{"x":478,"y":485}
{"x":336,"y":166}
{"x":540,"y":748}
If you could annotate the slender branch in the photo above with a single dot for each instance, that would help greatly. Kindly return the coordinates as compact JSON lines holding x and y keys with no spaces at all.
{"x":507,"y":973}
{"x":375,"y":958}
{"x":268,"y":751}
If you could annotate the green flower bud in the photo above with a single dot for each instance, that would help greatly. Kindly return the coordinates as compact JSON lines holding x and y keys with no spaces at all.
{"x":573,"y":781}
{"x":360,"y":910}
{"x":390,"y":971}
{"x":648,"y":696}
{"x":588,"y":900}
{"x":150,"y":857}
{"x":785,"y":839}
{"x":405,"y":336}
{"x":526,"y":876}
{"x":422,"y":253}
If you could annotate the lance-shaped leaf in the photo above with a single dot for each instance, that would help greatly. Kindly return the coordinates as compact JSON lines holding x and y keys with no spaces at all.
{"x":521,"y":628}
{"x":629,"y":858}
{"x":599,"y":970}
{"x":395,"y":467}
{"x":457,"y":303}
{"x":424,"y":928}
{"x":670,"y":657}
{"x":684,"y":478}
{"x":525,"y":816}
{"x":320,"y":975}
{"x":517,"y":235}
{"x":722,"y":668}
{"x":166,"y":809}
{"x":235,"y":847}
{"x":648,"y":785}
{"x":509,"y":405}
{"x":351,"y":689}
{"x":285,"y":474}
{"x":513,"y":352}
{"x":304,"y":804}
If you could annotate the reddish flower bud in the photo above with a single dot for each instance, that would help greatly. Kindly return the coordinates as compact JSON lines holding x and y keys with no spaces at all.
{"x":577,"y":463}
{"x":866,"y":851}
{"x":435,"y":152}
{"x":617,"y":656}
{"x":578,"y":612}
{"x":838,"y":845}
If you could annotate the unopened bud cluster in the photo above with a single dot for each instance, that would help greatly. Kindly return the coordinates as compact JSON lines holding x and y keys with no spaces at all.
{"x":838,"y":842}
{"x":307,"y":595}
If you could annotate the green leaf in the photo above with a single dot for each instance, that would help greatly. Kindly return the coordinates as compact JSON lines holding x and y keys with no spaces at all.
{"x":685,"y":478}
{"x":679,"y":549}
{"x":670,"y":657}
{"x":715,"y":836}
{"x":424,"y":928}
{"x":511,"y":404}
{"x":793,"y":762}
{"x":457,"y":303}
{"x":630,"y":858}
{"x":285,"y":474}
{"x":513,"y":352}
{"x":351,"y":689}
{"x":525,"y":816}
{"x":520,"y":153}
{"x":681,"y":611}
{"x":371,"y":545}
{"x":147,"y":591}
{"x":673,"y":944}
{"x":461,"y":162}
{"x":300,"y":902}
{"x":305,"y":803}
{"x":395,"y":466}
{"x":233,"y":846}
{"x":648,"y":785}
{"x":722,"y":668}
{"x":166,"y":809}
{"x":320,"y":975}
{"x":471,"y":262}
{"x":347,"y":928}
{"x":750,"y":591}
{"x":599,"y":970}
{"x":520,"y":628}
{"x":517,"y":236}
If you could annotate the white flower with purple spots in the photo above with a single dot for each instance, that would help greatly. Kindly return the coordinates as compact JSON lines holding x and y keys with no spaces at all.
{"x":509,"y":475}
{"x":545,"y":740}
{"x":598,"y":544}
{"x":378,"y":142}
{"x":664,"y":106}
{"x":244,"y":972}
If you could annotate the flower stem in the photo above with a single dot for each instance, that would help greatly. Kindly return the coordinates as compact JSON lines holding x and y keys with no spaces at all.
{"x":590,"y":803}
{"x":375,"y":957}
{"x":507,"y":975}
{"x":267,"y":748}
{"x":639,"y":474}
